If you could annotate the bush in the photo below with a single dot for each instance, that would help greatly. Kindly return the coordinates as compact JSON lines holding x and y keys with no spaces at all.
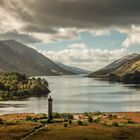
{"x":28,"y":118}
{"x":80,"y":122}
{"x":97,"y":120}
{"x":1,"y":121}
{"x":70,"y":122}
{"x":44,"y":121}
{"x":90,"y":119}
{"x":10,"y":123}
{"x":85,"y":113}
{"x":115,"y":124}
{"x":130,"y":122}
{"x":97,"y":113}
{"x":56,"y":115}
{"x":66,"y":116}
{"x":65,"y":125}
{"x":42,"y":116}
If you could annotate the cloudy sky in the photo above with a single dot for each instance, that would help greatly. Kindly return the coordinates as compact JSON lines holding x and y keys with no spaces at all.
{"x":84,"y":33}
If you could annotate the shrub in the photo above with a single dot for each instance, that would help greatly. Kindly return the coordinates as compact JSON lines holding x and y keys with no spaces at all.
{"x":70,"y":122}
{"x":42,"y":116}
{"x":90,"y":119}
{"x":97,"y":113}
{"x":97,"y":120}
{"x":28,"y":118}
{"x":85,"y":113}
{"x":56,"y":115}
{"x":80,"y":122}
{"x":130,"y":122}
{"x":1,"y":121}
{"x":67,"y":116}
{"x":65,"y":125}
{"x":44,"y":121}
{"x":10,"y":123}
{"x":115,"y":124}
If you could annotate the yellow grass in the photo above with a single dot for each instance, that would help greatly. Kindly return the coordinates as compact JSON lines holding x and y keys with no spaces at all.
{"x":103,"y":130}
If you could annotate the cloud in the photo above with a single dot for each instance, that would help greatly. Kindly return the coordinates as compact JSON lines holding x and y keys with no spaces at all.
{"x":82,"y":13}
{"x":78,"y":46}
{"x":91,"y":59}
{"x":53,"y":20}
{"x":101,"y":32}
{"x":61,"y":34}
{"x":21,"y":37}
{"x":133,"y":35}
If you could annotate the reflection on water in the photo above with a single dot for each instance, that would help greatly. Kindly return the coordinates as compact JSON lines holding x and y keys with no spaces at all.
{"x":79,"y":94}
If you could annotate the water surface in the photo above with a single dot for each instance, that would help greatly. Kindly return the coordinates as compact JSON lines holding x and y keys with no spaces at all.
{"x":79,"y":94}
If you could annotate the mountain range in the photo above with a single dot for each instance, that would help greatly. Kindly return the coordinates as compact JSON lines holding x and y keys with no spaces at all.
{"x":73,"y":69}
{"x":126,"y":69}
{"x":17,"y":57}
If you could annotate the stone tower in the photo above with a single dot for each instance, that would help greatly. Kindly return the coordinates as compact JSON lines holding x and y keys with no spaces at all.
{"x":50,"y":101}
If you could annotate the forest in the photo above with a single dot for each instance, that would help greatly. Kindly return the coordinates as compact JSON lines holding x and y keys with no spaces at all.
{"x":14,"y":86}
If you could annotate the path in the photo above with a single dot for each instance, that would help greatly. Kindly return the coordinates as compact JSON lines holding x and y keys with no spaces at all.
{"x":33,"y":132}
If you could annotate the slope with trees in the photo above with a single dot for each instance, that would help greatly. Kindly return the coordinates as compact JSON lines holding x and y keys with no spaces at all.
{"x":14,"y":86}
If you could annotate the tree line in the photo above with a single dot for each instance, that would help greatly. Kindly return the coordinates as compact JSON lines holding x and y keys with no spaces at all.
{"x":15,"y":86}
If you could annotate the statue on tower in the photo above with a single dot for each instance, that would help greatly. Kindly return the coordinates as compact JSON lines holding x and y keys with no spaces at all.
{"x":50,"y":101}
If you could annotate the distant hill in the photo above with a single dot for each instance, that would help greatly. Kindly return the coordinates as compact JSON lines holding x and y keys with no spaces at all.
{"x":126,"y":70}
{"x":17,"y":57}
{"x":73,"y":69}
{"x":114,"y":66}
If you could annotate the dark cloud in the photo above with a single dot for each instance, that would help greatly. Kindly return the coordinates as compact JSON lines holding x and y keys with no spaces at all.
{"x":25,"y":38}
{"x":84,"y":13}
{"x":46,"y":16}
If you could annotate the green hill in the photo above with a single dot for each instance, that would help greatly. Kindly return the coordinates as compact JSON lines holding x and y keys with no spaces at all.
{"x":15,"y":86}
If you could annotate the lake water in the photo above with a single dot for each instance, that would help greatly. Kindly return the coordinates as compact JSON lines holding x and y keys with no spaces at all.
{"x":79,"y":94}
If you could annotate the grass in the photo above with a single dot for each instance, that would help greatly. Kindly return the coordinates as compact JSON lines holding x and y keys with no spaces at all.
{"x":17,"y":131}
{"x":105,"y":126}
{"x":89,"y":132}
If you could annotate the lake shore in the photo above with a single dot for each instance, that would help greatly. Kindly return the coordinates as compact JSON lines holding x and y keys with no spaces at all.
{"x":75,"y":125}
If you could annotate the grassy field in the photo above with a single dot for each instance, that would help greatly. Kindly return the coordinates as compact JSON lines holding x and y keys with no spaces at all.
{"x":104,"y":126}
{"x":16,"y":131}
{"x":89,"y":132}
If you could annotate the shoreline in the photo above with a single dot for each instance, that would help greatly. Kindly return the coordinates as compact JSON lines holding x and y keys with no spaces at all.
{"x":74,"y":113}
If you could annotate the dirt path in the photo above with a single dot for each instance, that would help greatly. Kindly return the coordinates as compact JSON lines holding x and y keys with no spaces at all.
{"x":32,"y":133}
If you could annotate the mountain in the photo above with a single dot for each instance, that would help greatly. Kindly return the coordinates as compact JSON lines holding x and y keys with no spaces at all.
{"x":17,"y":57}
{"x":115,"y":67}
{"x":130,"y":66}
{"x":73,"y":69}
{"x":126,"y":70}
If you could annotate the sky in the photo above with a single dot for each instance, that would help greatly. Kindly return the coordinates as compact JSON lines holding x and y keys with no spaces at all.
{"x":85,"y":33}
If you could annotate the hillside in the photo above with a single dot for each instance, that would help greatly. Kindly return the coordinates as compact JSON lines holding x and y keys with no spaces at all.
{"x":114,"y":66}
{"x":16,"y":57}
{"x":14,"y":86}
{"x":126,"y":70}
{"x":73,"y":69}
{"x":129,"y":67}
